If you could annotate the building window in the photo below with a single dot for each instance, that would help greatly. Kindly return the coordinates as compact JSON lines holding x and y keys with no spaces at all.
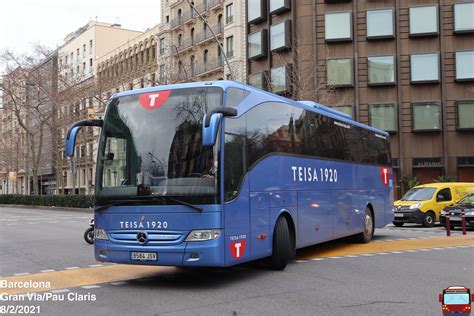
{"x":463,"y":17}
{"x":381,"y":70}
{"x":465,"y":114}
{"x":229,"y":46}
{"x":347,"y":109}
{"x":206,"y":56}
{"x":383,"y":116}
{"x":426,"y":116}
{"x":162,"y":73}
{"x":84,"y":50}
{"x":229,"y":15}
{"x":279,"y":76}
{"x":90,"y":47}
{"x":338,"y":26}
{"x":256,"y":80}
{"x":380,"y":24}
{"x":280,"y":36}
{"x":167,"y":19}
{"x":465,"y":66}
{"x":90,"y":65}
{"x":257,"y":44}
{"x":423,"y":20}
{"x":256,"y":11}
{"x":72,"y":57}
{"x":339,"y":72}
{"x":77,"y":54}
{"x":162,"y":45}
{"x":424,"y":68}
{"x":279,"y":6}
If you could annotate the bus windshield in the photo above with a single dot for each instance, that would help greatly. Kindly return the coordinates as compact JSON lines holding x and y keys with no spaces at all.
{"x":419,"y":194}
{"x":151,"y":146}
{"x":456,"y":298}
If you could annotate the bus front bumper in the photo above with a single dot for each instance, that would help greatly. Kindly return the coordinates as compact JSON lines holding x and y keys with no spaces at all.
{"x":201,"y":253}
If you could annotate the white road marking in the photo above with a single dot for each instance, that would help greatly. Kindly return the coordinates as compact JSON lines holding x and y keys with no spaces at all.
{"x":87,"y":287}
{"x":23,"y":273}
{"x":60,"y":291}
{"x":118,"y":283}
{"x":48,"y":270}
{"x":71,"y":268}
{"x":95,"y":265}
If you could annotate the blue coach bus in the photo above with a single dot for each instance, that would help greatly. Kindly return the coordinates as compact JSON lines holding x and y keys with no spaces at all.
{"x":220,"y":173}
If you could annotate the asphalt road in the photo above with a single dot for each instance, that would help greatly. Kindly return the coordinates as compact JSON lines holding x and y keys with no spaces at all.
{"x":401,"y":274}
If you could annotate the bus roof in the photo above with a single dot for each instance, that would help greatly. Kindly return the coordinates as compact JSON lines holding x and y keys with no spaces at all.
{"x":257,"y":96}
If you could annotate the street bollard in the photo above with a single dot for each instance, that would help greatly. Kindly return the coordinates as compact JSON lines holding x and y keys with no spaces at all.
{"x":448,"y":226}
{"x":463,"y":222}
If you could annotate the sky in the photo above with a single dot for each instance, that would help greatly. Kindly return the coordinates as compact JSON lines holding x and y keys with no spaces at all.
{"x":24,"y":23}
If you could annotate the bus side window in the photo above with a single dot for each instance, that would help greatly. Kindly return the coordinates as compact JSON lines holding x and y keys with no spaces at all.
{"x":235,"y":156}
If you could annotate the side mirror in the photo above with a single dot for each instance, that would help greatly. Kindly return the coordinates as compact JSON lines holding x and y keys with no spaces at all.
{"x":72,"y":134}
{"x":440,"y":298}
{"x":210,"y":124}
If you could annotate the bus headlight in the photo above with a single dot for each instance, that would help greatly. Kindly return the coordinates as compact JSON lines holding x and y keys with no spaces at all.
{"x":414,"y":206}
{"x":202,"y":235}
{"x":99,"y":233}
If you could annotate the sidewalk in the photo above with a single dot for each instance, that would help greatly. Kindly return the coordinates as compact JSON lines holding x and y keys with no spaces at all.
{"x":49,"y":208}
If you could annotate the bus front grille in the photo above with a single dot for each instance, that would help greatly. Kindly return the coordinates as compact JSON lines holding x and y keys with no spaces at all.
{"x":153,"y":237}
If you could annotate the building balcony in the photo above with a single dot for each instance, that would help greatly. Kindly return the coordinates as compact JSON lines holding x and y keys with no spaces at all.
{"x":203,"y":37}
{"x":214,"y":4}
{"x":206,"y":68}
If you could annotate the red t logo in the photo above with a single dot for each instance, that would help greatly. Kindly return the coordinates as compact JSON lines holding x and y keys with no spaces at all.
{"x":385,"y":175}
{"x":153,"y":100}
{"x":237,"y":248}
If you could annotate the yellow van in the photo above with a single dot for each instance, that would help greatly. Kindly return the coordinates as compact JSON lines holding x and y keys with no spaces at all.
{"x":423,"y":204}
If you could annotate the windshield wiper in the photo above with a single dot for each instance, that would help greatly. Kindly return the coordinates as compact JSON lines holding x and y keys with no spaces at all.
{"x":194,"y":207}
{"x":149,"y":198}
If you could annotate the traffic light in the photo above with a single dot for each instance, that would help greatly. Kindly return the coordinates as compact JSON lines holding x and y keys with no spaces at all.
{"x":90,"y":114}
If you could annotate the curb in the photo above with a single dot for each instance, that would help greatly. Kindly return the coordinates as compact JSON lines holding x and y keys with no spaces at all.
{"x":49,"y":208}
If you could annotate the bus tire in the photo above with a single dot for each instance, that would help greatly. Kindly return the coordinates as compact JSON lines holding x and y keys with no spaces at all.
{"x":397,"y":224}
{"x":282,"y":245}
{"x":369,"y":227}
{"x":429,"y":219}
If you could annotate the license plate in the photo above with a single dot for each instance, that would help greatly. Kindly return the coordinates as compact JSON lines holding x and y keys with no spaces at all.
{"x":144,"y":256}
{"x":398,"y":215}
{"x":455,"y":218}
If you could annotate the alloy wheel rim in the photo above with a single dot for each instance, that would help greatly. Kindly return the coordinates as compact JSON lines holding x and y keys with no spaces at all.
{"x":368,"y":225}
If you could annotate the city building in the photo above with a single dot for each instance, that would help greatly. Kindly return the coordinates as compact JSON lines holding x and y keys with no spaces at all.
{"x":78,"y":92}
{"x":195,"y":54}
{"x":406,"y":67}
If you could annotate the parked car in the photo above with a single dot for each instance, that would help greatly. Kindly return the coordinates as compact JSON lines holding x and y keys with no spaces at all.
{"x":424,"y":203}
{"x":466,"y":204}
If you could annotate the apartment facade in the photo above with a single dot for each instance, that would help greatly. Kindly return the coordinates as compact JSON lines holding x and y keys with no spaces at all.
{"x":79,"y":91}
{"x":195,"y":54}
{"x":406,"y":67}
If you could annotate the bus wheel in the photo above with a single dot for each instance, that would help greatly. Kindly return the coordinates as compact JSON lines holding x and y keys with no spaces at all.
{"x":397,"y":224}
{"x":429,"y":219}
{"x":282,"y":245}
{"x":368,"y":233}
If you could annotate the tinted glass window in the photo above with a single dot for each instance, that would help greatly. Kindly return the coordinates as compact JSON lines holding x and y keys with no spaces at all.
{"x":426,"y":116}
{"x":279,"y":75}
{"x":255,"y":44}
{"x":338,"y":26}
{"x":383,"y":116}
{"x":466,"y":114}
{"x":269,"y":129}
{"x":463,"y":13}
{"x":380,"y":23}
{"x":423,"y":20}
{"x":465,"y":65}
{"x":444,"y":195}
{"x":339,"y":72}
{"x":235,"y":155}
{"x":278,"y":34}
{"x":381,"y":70}
{"x":424,"y":67}
{"x":255,"y":10}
